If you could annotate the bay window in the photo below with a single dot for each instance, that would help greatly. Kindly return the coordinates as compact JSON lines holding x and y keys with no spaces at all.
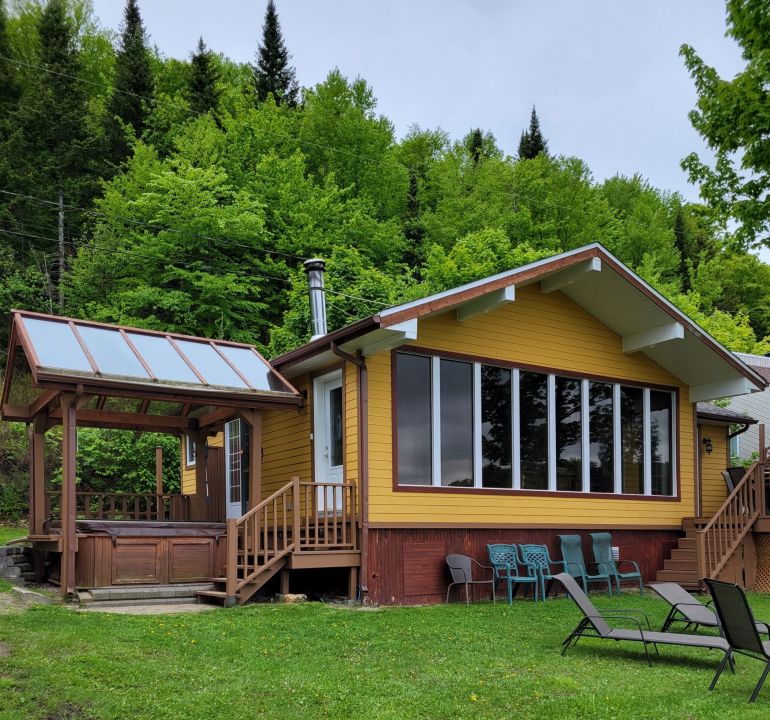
{"x":468,"y":424}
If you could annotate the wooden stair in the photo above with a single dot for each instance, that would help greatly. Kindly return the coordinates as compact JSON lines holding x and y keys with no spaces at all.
{"x":219,"y":593}
{"x":682,"y":566}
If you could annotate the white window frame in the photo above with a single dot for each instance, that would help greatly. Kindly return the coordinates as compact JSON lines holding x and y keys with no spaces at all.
{"x":189,"y":451}
{"x":551,"y":414}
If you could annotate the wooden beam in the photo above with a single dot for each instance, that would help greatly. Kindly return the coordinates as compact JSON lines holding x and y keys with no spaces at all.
{"x":396,"y":335}
{"x":43,"y":401}
{"x":216,"y":417}
{"x":131,"y":421}
{"x":721,"y":389}
{"x":68,"y":508}
{"x":486,"y":303}
{"x":36,"y":480}
{"x":16,"y":413}
{"x":564,"y":278}
{"x":653,"y":336}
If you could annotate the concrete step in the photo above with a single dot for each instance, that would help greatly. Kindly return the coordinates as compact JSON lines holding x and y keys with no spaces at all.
{"x":144,"y":593}
{"x":8,"y":550}
{"x":155,"y":602}
{"x":11,"y":571}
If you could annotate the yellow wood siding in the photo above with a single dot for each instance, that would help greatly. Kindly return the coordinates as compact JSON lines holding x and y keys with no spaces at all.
{"x":188,"y":473}
{"x":547,"y":330}
{"x":713,"y":487}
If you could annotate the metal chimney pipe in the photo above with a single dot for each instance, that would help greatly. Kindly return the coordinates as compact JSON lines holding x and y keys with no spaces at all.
{"x":315,"y":282}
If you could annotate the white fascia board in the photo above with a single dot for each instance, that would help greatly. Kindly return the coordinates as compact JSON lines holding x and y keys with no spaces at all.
{"x":395,"y":335}
{"x":646,"y":339}
{"x":486,"y":303}
{"x":566,"y":277}
{"x":721,"y":389}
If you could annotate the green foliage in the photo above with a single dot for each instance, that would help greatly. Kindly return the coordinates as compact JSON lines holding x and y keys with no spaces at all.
{"x":532,"y":143}
{"x":733,"y":116}
{"x":133,"y":85}
{"x":122,"y":461}
{"x":273,"y":75}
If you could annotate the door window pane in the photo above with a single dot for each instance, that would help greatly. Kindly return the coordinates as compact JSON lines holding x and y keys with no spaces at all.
{"x":601,"y":437}
{"x":456,"y":423}
{"x":569,"y":473}
{"x":533,"y":411}
{"x":496,"y":427}
{"x":234,"y":460}
{"x":335,"y":427}
{"x":413,"y":413}
{"x":632,"y":437}
{"x":661,"y":442}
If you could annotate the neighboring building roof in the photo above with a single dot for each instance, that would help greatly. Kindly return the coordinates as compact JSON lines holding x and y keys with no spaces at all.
{"x":707,"y":411}
{"x":759,"y":363}
{"x":590,"y":276}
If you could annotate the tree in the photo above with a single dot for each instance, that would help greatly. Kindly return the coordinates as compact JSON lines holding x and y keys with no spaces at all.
{"x":203,"y":91}
{"x":272,"y":73}
{"x":733,"y":117}
{"x":133,"y":84}
{"x":476,"y":144}
{"x":9,"y":87}
{"x":681,"y":241}
{"x":532,"y":142}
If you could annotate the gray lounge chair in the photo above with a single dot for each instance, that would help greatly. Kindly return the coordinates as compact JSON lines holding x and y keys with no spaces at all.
{"x":461,"y":569}
{"x":594,"y":624}
{"x":688,"y":609}
{"x":739,"y":628}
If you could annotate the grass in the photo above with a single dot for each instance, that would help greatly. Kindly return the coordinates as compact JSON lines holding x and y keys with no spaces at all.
{"x":11,"y":532}
{"x":314,"y":661}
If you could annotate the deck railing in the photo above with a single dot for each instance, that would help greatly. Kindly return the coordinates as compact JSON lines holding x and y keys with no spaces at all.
{"x":300,"y":517}
{"x":716,"y":542}
{"x":121,"y":506}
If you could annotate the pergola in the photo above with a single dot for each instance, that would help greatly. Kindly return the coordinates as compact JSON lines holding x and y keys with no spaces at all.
{"x":68,"y":372}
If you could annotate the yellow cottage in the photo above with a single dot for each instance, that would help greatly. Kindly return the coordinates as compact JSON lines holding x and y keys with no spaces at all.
{"x":555,"y":398}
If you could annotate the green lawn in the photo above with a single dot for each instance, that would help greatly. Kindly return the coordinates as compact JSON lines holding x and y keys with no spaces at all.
{"x":313,"y":661}
{"x":11,"y":532}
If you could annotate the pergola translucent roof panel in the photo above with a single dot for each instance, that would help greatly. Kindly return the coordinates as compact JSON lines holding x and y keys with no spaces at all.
{"x":66,"y":347}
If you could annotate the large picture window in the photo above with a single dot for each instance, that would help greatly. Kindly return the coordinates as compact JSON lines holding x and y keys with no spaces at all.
{"x":467,"y":424}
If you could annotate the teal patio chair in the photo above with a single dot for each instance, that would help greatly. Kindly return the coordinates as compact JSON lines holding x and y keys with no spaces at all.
{"x":539,"y":557}
{"x":602,"y":543}
{"x":575,"y":564}
{"x":508,"y":568}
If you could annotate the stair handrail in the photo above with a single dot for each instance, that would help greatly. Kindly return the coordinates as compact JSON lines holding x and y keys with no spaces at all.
{"x":238,"y":529}
{"x":716,"y":542}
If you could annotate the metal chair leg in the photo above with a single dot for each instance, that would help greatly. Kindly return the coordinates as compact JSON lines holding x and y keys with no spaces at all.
{"x":721,"y":667}
{"x":760,"y":683}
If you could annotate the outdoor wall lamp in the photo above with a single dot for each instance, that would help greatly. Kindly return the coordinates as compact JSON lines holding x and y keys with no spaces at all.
{"x":707,"y":445}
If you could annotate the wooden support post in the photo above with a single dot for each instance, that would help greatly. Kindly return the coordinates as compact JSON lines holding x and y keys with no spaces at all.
{"x":352,"y":583}
{"x":284,"y":582}
{"x":296,"y":522}
{"x":37,"y":500}
{"x":231,"y":576}
{"x":763,"y":509}
{"x":68,"y":508}
{"x":159,"y":470}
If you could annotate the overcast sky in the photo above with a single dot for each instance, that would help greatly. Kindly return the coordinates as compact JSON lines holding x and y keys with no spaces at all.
{"x":606,"y":76}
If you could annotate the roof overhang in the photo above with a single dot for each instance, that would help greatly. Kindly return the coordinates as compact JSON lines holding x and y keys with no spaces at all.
{"x":594,"y":279}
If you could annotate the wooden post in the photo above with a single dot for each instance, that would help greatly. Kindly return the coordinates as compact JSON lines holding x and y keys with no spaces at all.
{"x":231,"y":576}
{"x":68,"y":509}
{"x":159,"y":470}
{"x":296,"y":521}
{"x":762,"y":472}
{"x":284,"y":582}
{"x":352,"y":583}
{"x":37,"y":500}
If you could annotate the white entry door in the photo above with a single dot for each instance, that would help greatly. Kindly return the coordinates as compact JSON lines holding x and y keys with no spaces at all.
{"x":233,"y":469}
{"x":328,"y":435}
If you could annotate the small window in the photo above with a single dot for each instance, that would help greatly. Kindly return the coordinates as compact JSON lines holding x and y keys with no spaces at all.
{"x":189,"y":451}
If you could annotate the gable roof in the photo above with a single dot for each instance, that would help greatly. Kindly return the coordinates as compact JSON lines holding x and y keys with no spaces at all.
{"x":707,"y":411}
{"x":590,"y":276}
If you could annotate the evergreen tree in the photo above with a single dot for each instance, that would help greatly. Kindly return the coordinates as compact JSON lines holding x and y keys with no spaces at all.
{"x":272,"y":73}
{"x":476,"y":145}
{"x":52,"y":149}
{"x":532,"y":142}
{"x":133,"y":84}
{"x":9,"y":87}
{"x":682,"y":245}
{"x":203,"y":91}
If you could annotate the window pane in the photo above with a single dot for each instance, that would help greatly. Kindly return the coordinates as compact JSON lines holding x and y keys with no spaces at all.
{"x":210,"y":364}
{"x":456,"y":423}
{"x":56,"y":346}
{"x":235,"y":456}
{"x":335,"y":426}
{"x":601,"y":437}
{"x":190,"y":450}
{"x":165,"y":362}
{"x":632,"y":434}
{"x":661,"y":409}
{"x":253,"y":369}
{"x":569,"y":472}
{"x":413,"y":414}
{"x":533,"y":411}
{"x":111,"y":352}
{"x":496,"y":427}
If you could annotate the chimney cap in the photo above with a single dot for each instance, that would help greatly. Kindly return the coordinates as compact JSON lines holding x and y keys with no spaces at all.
{"x":314,"y":264}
